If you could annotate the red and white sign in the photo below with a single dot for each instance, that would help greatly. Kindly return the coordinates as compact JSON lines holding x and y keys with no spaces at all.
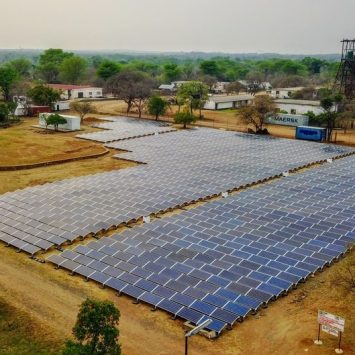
{"x":331,"y":320}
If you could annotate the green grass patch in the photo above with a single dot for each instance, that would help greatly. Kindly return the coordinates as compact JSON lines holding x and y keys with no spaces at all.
{"x":18,"y":334}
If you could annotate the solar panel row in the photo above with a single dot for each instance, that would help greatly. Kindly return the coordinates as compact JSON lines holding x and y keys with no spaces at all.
{"x":121,"y":128}
{"x":226,"y":258}
{"x":182,"y":167}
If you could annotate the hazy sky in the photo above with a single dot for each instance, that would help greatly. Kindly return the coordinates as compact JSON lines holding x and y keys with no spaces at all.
{"x":284,"y":26}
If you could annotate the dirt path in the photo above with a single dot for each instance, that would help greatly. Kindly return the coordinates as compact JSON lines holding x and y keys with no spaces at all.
{"x":51,"y":298}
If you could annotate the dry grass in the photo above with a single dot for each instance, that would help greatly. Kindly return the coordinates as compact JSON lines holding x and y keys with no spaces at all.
{"x":24,"y":144}
{"x":224,"y":119}
{"x":49,"y":300}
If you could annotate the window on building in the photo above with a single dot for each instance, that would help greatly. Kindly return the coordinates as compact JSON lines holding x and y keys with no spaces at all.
{"x":293,"y":111}
{"x":98,"y":92}
{"x":289,"y":93}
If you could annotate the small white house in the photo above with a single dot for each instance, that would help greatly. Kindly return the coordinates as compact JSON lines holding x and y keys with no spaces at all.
{"x":228,"y":101}
{"x":61,"y":106}
{"x":73,"y":122}
{"x":284,"y":93}
{"x":70,"y":92}
{"x":298,"y":107}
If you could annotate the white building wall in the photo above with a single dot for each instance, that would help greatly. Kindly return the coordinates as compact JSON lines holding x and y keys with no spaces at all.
{"x":210,"y":105}
{"x":224,"y":105}
{"x":299,"y":109}
{"x":73,"y":122}
{"x":86,"y":93}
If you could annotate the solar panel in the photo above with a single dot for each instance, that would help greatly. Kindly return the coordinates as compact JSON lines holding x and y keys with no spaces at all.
{"x":48,"y":215}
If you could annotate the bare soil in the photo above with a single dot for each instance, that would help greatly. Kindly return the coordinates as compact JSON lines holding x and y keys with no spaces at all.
{"x":50,"y":299}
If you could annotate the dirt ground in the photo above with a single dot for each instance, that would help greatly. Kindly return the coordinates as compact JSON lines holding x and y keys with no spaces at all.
{"x":23,"y":144}
{"x":38,"y":304}
{"x":224,"y":119}
{"x":50,"y":298}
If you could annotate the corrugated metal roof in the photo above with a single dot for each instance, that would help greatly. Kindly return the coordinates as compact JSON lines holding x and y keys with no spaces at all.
{"x":297,"y":102}
{"x":70,"y":87}
{"x":230,"y":98}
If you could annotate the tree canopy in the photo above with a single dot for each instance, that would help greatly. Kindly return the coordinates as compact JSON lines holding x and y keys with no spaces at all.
{"x":43,"y":95}
{"x":157,"y":106}
{"x":107,"y":69}
{"x":95,"y":330}
{"x":133,"y":87}
{"x":72,"y":69}
{"x":8,"y":76}
{"x":256,"y":113}
{"x":193,"y":94}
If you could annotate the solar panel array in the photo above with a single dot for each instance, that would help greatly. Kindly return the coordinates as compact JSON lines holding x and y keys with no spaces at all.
{"x":228,"y":257}
{"x":121,"y":128}
{"x":182,"y":167}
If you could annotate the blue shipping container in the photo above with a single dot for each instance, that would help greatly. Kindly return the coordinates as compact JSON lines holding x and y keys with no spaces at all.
{"x":311,"y":133}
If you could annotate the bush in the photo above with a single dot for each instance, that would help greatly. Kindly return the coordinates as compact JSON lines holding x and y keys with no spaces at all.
{"x":95,"y":330}
{"x":55,"y":120}
{"x":184,"y":118}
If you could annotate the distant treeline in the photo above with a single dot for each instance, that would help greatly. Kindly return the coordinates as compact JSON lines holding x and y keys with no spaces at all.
{"x":96,"y":68}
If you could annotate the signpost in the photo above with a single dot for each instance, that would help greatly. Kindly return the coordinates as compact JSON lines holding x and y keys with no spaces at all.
{"x":331,"y":324}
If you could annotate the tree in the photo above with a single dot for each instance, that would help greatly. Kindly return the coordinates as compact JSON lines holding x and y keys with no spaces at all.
{"x":172,"y":72}
{"x":72,"y":69}
{"x":330,"y":115}
{"x":95,"y":330}
{"x":107,"y":69}
{"x":22,"y":66}
{"x":43,"y":95}
{"x":194,"y":94}
{"x":49,"y":63}
{"x":314,"y":65}
{"x":82,"y":108}
{"x":209,"y":80}
{"x":133,"y":87}
{"x":55,"y":120}
{"x":234,"y":87}
{"x":209,"y":67}
{"x":157,"y":106}
{"x":256,"y":114}
{"x":185,"y":118}
{"x":8,"y":77}
{"x":4,"y":112}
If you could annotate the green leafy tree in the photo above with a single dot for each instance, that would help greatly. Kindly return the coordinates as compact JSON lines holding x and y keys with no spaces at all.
{"x":314,"y":65}
{"x":4,"y":112}
{"x":55,"y":120}
{"x":209,"y":67}
{"x":157,"y":106}
{"x":8,"y":77}
{"x":82,"y":108}
{"x":194,"y":94}
{"x":49,"y":64}
{"x":172,"y":72}
{"x":22,"y":66}
{"x":72,"y":69}
{"x":95,"y":330}
{"x":107,"y":69}
{"x":43,"y":95}
{"x":184,"y":118}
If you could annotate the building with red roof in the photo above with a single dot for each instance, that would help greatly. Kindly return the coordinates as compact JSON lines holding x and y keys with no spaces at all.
{"x":70,"y":92}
